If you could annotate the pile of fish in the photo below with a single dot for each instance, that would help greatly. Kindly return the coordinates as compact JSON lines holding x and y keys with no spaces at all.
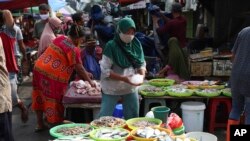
{"x":178,"y":86}
{"x":209,"y":91}
{"x":200,"y":83}
{"x":76,"y":130}
{"x":111,"y":133}
{"x":227,"y":90}
{"x":149,"y":132}
{"x":144,"y":123}
{"x":108,"y":121}
{"x":83,"y":87}
{"x":152,"y":89}
{"x":179,"y":90}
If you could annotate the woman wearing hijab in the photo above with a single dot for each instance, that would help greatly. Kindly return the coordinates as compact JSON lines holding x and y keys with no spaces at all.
{"x":51,"y":75}
{"x":122,"y":58}
{"x":49,"y":34}
{"x":177,"y":66}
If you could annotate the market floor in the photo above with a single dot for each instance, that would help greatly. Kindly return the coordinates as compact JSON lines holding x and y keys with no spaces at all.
{"x":25,"y":131}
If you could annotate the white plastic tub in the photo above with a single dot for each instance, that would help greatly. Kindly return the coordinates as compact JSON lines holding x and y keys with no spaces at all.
{"x":202,"y":136}
{"x":193,"y":115}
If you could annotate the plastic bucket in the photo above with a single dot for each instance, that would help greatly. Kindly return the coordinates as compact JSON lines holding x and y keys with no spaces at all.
{"x":118,"y":112}
{"x":161,"y":112}
{"x":202,"y":136}
{"x":193,"y":112}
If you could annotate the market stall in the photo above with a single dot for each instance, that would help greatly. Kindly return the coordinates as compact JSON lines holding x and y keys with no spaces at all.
{"x":158,"y":91}
{"x":20,"y":4}
{"x":116,"y":129}
{"x":81,"y":96}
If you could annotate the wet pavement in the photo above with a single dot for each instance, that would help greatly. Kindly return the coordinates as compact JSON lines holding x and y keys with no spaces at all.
{"x":25,"y":131}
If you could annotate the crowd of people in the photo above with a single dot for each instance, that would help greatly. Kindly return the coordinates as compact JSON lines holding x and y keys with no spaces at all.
{"x":72,"y":48}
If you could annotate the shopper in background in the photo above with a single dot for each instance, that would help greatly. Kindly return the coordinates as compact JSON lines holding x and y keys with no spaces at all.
{"x":39,"y":26}
{"x":19,"y":51}
{"x":78,"y":19}
{"x":240,"y":81}
{"x":177,"y":66}
{"x":9,"y":35}
{"x":67,"y":22}
{"x":51,"y":75}
{"x":52,"y":28}
{"x":122,"y":58}
{"x":175,"y":27}
{"x":90,"y":58}
{"x":5,"y":99}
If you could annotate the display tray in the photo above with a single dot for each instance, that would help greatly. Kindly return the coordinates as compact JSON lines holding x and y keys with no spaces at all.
{"x":161,"y":82}
{"x":187,"y":93}
{"x":108,"y":121}
{"x":109,"y":134}
{"x":207,"y":94}
{"x":134,"y":134}
{"x":135,"y":123}
{"x":148,"y":90}
{"x":58,"y":134}
{"x":226,"y":92}
{"x":202,"y":85}
{"x":212,"y":87}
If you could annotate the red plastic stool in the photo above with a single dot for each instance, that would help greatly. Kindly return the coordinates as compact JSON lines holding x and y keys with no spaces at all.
{"x":213,"y":105}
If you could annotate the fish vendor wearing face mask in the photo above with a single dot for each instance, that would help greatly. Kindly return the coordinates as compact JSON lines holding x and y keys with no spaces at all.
{"x":122,"y":58}
{"x":39,"y":25}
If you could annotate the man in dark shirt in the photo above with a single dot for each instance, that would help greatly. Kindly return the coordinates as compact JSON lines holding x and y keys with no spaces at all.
{"x":175,"y":27}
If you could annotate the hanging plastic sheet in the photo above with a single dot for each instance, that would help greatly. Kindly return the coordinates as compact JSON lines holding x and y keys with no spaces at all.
{"x":57,"y":4}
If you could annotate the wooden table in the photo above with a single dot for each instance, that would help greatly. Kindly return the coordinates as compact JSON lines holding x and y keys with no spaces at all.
{"x":74,"y":100}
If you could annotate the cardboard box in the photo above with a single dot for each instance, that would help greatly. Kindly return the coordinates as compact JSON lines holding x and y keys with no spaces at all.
{"x":201,"y":68}
{"x":222,"y":67}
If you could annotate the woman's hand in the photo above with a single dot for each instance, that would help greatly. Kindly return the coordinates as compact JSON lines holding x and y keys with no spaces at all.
{"x":92,"y":83}
{"x":90,"y":75}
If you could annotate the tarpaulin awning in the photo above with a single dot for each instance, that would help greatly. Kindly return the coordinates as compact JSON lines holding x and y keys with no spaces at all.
{"x":66,"y":11}
{"x":20,"y":4}
{"x":57,"y":4}
{"x":137,"y":5}
{"x":31,"y":10}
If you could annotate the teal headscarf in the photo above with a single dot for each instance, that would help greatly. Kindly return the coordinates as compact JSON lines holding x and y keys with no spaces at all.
{"x":122,"y":54}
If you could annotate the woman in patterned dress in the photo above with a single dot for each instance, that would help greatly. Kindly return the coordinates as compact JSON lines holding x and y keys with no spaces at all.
{"x":52,"y":72}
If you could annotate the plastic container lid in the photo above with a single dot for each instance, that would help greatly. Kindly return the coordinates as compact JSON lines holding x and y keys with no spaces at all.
{"x":119,"y":106}
{"x":118,"y":111}
{"x":193,"y":105}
